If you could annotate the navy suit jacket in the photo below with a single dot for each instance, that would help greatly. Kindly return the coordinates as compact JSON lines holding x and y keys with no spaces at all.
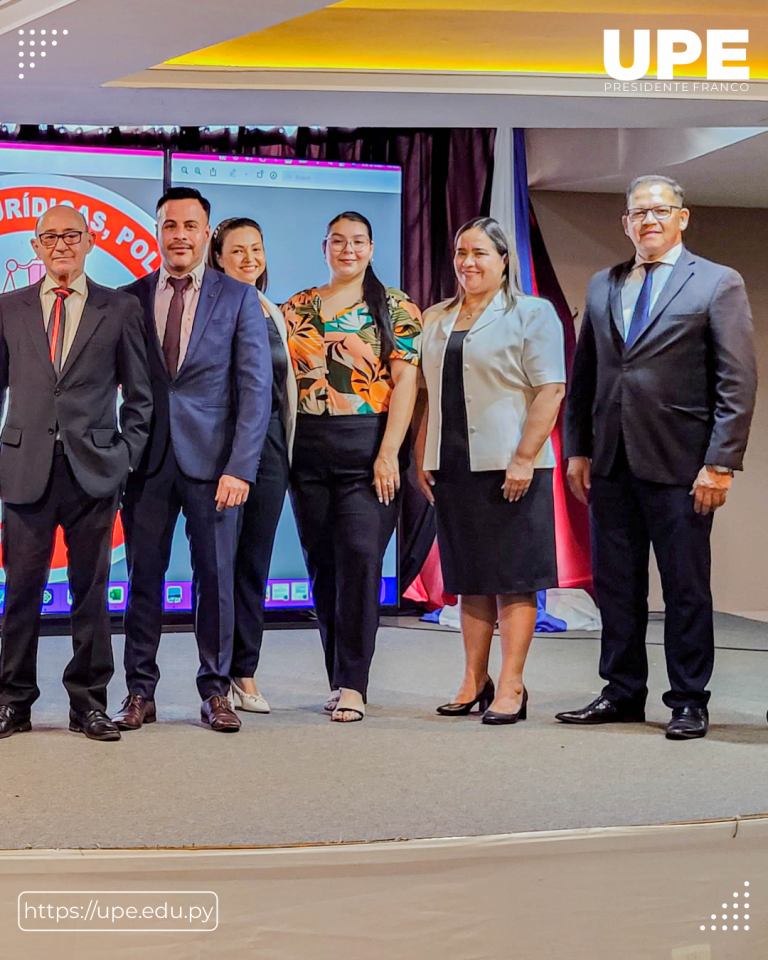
{"x":683,"y":394}
{"x":216,"y":409}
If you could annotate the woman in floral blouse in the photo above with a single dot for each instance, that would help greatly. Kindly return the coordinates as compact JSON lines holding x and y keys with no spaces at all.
{"x":354,"y":347}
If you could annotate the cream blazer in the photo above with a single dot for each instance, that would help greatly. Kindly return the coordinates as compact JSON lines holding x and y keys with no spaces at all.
{"x":506,"y":354}
{"x":292,"y":389}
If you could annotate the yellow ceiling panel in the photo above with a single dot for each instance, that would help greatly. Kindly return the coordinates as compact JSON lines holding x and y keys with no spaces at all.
{"x":751,"y":8}
{"x":459,"y":36}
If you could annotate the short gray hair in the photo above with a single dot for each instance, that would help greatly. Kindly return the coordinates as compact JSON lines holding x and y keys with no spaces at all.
{"x":61,"y":206}
{"x":656,"y":178}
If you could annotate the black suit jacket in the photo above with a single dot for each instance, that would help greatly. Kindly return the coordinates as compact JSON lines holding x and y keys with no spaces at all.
{"x":109,"y":349}
{"x":683,"y":394}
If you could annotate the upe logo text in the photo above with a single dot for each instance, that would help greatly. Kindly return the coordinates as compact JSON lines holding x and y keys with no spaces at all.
{"x":675,"y":47}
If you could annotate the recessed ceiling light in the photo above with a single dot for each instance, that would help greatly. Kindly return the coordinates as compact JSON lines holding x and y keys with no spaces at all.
{"x":21,"y":76}
{"x":31,"y":33}
{"x":32,"y":64}
{"x":43,"y":32}
{"x":53,"y":43}
{"x":65,"y":32}
{"x":53,"y":32}
{"x":42,"y":53}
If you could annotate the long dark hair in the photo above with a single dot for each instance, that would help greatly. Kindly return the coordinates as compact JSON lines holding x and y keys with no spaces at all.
{"x":217,"y":246}
{"x":374,"y":291}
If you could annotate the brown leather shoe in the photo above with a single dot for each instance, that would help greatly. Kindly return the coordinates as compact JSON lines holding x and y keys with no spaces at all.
{"x":134,"y":712}
{"x":218,"y":713}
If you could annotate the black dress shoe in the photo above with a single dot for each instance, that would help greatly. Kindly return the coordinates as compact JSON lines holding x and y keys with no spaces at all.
{"x":484,"y":699}
{"x":688,"y":723}
{"x":497,"y":719}
{"x":11,"y":721}
{"x":95,"y":724}
{"x":602,"y":710}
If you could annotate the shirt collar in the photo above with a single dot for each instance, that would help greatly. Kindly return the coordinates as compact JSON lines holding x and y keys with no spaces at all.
{"x":78,"y":286}
{"x":671,"y":257}
{"x":197,"y":276}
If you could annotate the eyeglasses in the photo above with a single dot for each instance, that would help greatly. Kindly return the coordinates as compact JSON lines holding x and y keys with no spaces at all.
{"x":338,"y":244}
{"x":70,"y":237}
{"x":638,"y":214}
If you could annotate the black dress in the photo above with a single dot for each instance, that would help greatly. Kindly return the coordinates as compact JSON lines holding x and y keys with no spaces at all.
{"x":488,"y":545}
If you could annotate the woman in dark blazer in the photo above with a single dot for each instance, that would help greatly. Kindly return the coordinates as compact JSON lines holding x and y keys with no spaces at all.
{"x":493,"y":362}
{"x":237,"y":249}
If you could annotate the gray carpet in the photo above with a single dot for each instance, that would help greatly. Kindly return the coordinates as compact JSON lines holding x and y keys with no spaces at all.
{"x":295,"y":777}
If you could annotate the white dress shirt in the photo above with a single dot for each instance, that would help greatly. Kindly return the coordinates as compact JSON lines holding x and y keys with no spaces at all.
{"x":163,"y":297}
{"x":506,"y":354}
{"x":634,"y":283}
{"x":73,"y":307}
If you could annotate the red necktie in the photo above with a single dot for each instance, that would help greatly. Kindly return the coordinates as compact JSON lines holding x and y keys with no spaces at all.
{"x":56,"y":325}
{"x":172,"y":336}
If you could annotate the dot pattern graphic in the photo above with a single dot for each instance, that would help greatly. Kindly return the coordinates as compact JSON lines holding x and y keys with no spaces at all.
{"x":26,"y":52}
{"x":744,"y":906}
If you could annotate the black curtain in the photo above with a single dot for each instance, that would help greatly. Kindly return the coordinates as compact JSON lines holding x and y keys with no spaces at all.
{"x":447,"y":177}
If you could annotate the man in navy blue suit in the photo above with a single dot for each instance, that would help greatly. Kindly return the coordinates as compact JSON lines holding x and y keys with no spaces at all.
{"x":211,"y":376}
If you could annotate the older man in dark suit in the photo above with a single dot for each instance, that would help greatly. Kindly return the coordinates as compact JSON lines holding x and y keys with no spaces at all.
{"x":65,"y":345}
{"x":657,"y":420}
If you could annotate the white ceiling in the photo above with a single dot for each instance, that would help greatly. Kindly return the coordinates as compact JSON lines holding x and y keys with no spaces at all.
{"x":717,"y":167}
{"x":110,"y":40}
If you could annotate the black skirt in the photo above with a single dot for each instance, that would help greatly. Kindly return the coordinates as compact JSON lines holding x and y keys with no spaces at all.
{"x":488,"y":545}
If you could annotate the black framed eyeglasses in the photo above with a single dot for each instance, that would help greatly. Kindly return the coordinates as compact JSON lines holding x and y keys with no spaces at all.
{"x":661,"y":212}
{"x":70,"y":237}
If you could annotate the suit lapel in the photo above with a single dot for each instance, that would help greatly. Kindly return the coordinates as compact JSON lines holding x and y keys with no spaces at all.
{"x":93,"y":314}
{"x":145,"y":291}
{"x":493,"y":311}
{"x":209,"y":292}
{"x":681,"y":273}
{"x":617,"y":280}
{"x":35,"y":326}
{"x":448,"y":322}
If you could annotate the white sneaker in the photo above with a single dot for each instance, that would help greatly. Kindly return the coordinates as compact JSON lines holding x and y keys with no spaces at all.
{"x":251,"y":702}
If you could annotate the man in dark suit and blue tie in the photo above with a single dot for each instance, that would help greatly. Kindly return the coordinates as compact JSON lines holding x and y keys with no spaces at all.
{"x":657,"y":419}
{"x":211,"y":372}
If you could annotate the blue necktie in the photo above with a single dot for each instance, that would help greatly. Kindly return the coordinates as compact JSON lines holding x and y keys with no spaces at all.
{"x":642,"y":309}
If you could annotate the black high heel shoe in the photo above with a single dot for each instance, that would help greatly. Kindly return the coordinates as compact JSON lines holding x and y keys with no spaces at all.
{"x":484,"y":699}
{"x":496,"y":719}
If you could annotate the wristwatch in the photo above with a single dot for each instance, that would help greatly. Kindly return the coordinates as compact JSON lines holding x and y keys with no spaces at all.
{"x":719,"y":469}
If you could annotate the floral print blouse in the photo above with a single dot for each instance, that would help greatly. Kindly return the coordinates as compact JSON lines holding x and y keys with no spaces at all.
{"x":337,"y":360}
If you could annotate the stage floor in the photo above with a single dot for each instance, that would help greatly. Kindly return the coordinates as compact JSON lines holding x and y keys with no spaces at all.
{"x":404,"y":772}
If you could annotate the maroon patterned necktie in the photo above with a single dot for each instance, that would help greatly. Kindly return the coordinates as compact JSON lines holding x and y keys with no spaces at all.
{"x":57,"y":323}
{"x":172,"y":337}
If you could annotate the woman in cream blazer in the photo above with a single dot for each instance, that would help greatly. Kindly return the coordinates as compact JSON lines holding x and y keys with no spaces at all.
{"x":493,"y":362}
{"x":237,"y":249}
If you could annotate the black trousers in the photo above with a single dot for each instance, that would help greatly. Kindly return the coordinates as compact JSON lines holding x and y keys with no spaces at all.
{"x":259,"y":518}
{"x":29,"y":532}
{"x":344,"y":531}
{"x":151,"y":507}
{"x":627,"y":516}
